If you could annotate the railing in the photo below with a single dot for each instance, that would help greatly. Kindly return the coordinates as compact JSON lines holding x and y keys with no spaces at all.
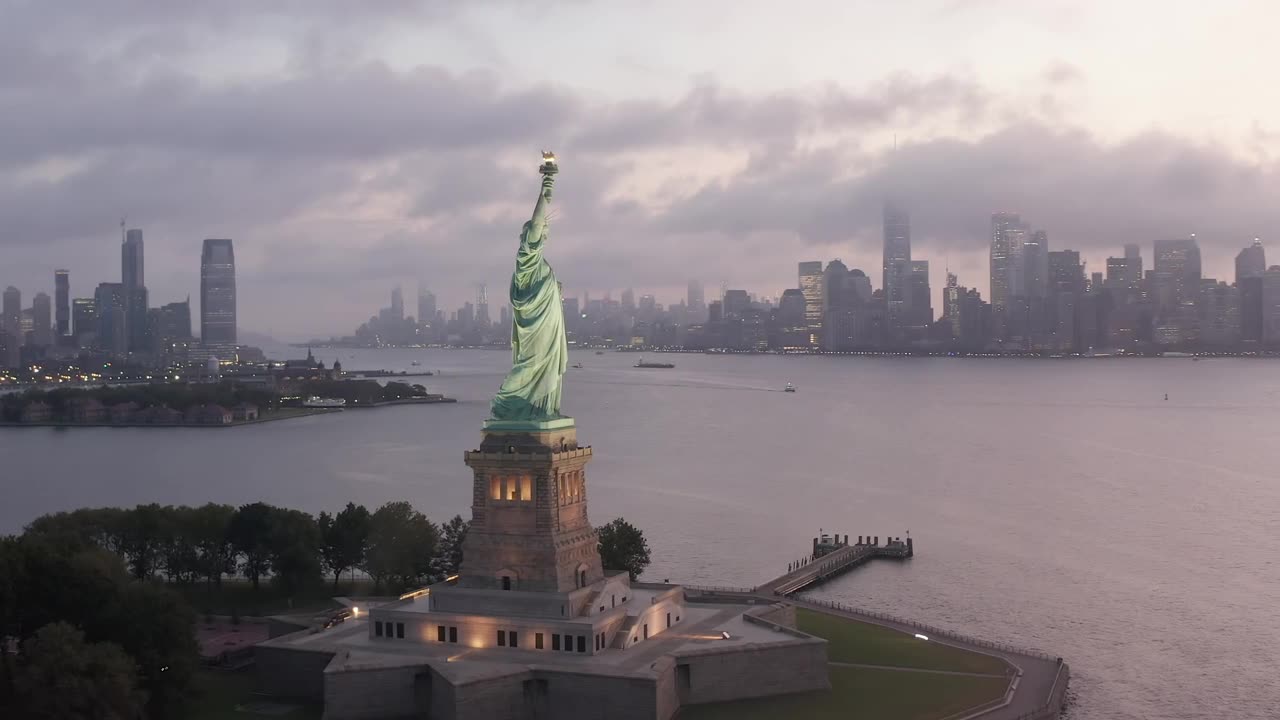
{"x":931,"y":630}
{"x":719,"y":589}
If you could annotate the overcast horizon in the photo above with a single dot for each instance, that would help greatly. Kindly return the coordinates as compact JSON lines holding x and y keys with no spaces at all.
{"x":347,"y":148}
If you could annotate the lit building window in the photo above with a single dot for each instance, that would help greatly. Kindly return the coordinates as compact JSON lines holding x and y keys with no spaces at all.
{"x":495,"y":487}
{"x":526,"y":488}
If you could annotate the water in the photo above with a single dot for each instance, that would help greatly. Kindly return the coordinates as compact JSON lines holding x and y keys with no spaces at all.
{"x":1063,"y":505}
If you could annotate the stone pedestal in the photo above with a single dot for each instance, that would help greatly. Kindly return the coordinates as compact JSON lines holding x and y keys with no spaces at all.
{"x":529,"y":527}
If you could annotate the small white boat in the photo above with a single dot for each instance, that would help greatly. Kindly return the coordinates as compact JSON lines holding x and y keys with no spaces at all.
{"x":415,"y":363}
{"x":789,"y":388}
{"x":319,"y":402}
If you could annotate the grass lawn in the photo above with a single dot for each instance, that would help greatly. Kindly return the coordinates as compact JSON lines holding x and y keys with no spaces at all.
{"x":850,"y":641}
{"x":214,"y":695}
{"x":267,"y":600}
{"x":865,"y":694}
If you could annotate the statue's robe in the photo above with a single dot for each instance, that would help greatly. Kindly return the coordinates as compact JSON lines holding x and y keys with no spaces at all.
{"x":539,"y":351}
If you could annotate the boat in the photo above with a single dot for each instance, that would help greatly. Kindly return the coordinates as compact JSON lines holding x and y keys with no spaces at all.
{"x":415,"y":363}
{"x":319,"y":402}
{"x":789,"y":388}
{"x":578,"y":365}
{"x":643,"y":364}
{"x":599,"y":352}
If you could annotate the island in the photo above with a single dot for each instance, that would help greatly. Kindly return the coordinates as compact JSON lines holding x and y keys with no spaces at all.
{"x":180,"y":404}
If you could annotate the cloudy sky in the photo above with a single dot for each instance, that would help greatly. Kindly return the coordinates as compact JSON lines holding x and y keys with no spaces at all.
{"x":348,"y":147}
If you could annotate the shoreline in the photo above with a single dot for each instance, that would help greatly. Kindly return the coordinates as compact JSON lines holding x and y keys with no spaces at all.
{"x":274,"y":417}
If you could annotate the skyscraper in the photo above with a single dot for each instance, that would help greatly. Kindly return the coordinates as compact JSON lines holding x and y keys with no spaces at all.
{"x":897,"y":263}
{"x":62,"y":301}
{"x":42,"y":320}
{"x":11,"y":318}
{"x":952,"y":297}
{"x":175,"y":321}
{"x":1177,"y":271}
{"x":397,"y":304}
{"x":1251,"y":262}
{"x":218,"y":293}
{"x":811,"y":288}
{"x":131,"y":265}
{"x":110,"y":308}
{"x":1006,"y":250}
{"x":1035,"y":264}
{"x":1271,"y":305}
{"x":84,"y":321}
{"x":696,"y":302}
{"x":133,"y":279}
{"x":482,"y":306}
{"x":426,"y":306}
{"x":11,"y":328}
{"x":920,"y":305}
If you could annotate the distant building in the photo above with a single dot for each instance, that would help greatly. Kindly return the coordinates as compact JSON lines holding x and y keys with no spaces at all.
{"x":41,"y":320}
{"x":110,"y":308}
{"x":133,"y":278}
{"x":84,"y":321}
{"x":1251,"y":308}
{"x":208,"y":415}
{"x":1251,"y":262}
{"x":11,"y":315}
{"x":952,"y":295}
{"x":1035,"y":264}
{"x":426,"y":306}
{"x":244,"y":412}
{"x":919,"y":302}
{"x":36,"y":412}
{"x":1007,"y":232}
{"x":1271,"y":305}
{"x":695,"y":301}
{"x":896,"y":264}
{"x":218,"y":293}
{"x":397,"y":304}
{"x":87,"y":410}
{"x":811,"y":288}
{"x":62,"y":301}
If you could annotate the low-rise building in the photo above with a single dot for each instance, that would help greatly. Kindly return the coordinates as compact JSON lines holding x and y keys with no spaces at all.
{"x":37,"y":412}
{"x":208,"y":415}
{"x":123,"y":413}
{"x":87,"y":410}
{"x":162,"y":415}
{"x":244,"y":411}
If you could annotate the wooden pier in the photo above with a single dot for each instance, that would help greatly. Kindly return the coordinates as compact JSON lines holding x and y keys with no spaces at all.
{"x":834,"y":559}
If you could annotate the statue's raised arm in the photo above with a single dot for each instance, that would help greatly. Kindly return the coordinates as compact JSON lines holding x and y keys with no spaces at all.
{"x":539,"y":351}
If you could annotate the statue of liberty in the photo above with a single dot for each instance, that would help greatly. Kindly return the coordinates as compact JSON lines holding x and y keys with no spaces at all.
{"x":539,"y":352}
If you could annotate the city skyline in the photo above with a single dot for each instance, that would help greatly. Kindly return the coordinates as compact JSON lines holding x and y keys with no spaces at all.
{"x":723,"y":161}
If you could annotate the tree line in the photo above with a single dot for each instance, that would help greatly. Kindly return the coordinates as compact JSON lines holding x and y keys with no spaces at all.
{"x":396,"y":545}
{"x":91,"y":621}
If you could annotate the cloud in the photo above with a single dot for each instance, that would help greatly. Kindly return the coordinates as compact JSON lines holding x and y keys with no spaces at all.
{"x":340,"y":175}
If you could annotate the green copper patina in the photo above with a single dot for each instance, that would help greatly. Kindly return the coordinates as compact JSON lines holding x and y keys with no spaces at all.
{"x":530,"y":394}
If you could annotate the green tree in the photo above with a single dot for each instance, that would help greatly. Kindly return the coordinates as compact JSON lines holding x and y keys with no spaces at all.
{"x":179,"y":556}
{"x":142,"y":538}
{"x":157,"y":628}
{"x":250,"y":535}
{"x":295,"y":551}
{"x":209,"y":525}
{"x":402,"y":542}
{"x":623,"y":547}
{"x":344,"y":539}
{"x":63,"y":677}
{"x":449,"y":558}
